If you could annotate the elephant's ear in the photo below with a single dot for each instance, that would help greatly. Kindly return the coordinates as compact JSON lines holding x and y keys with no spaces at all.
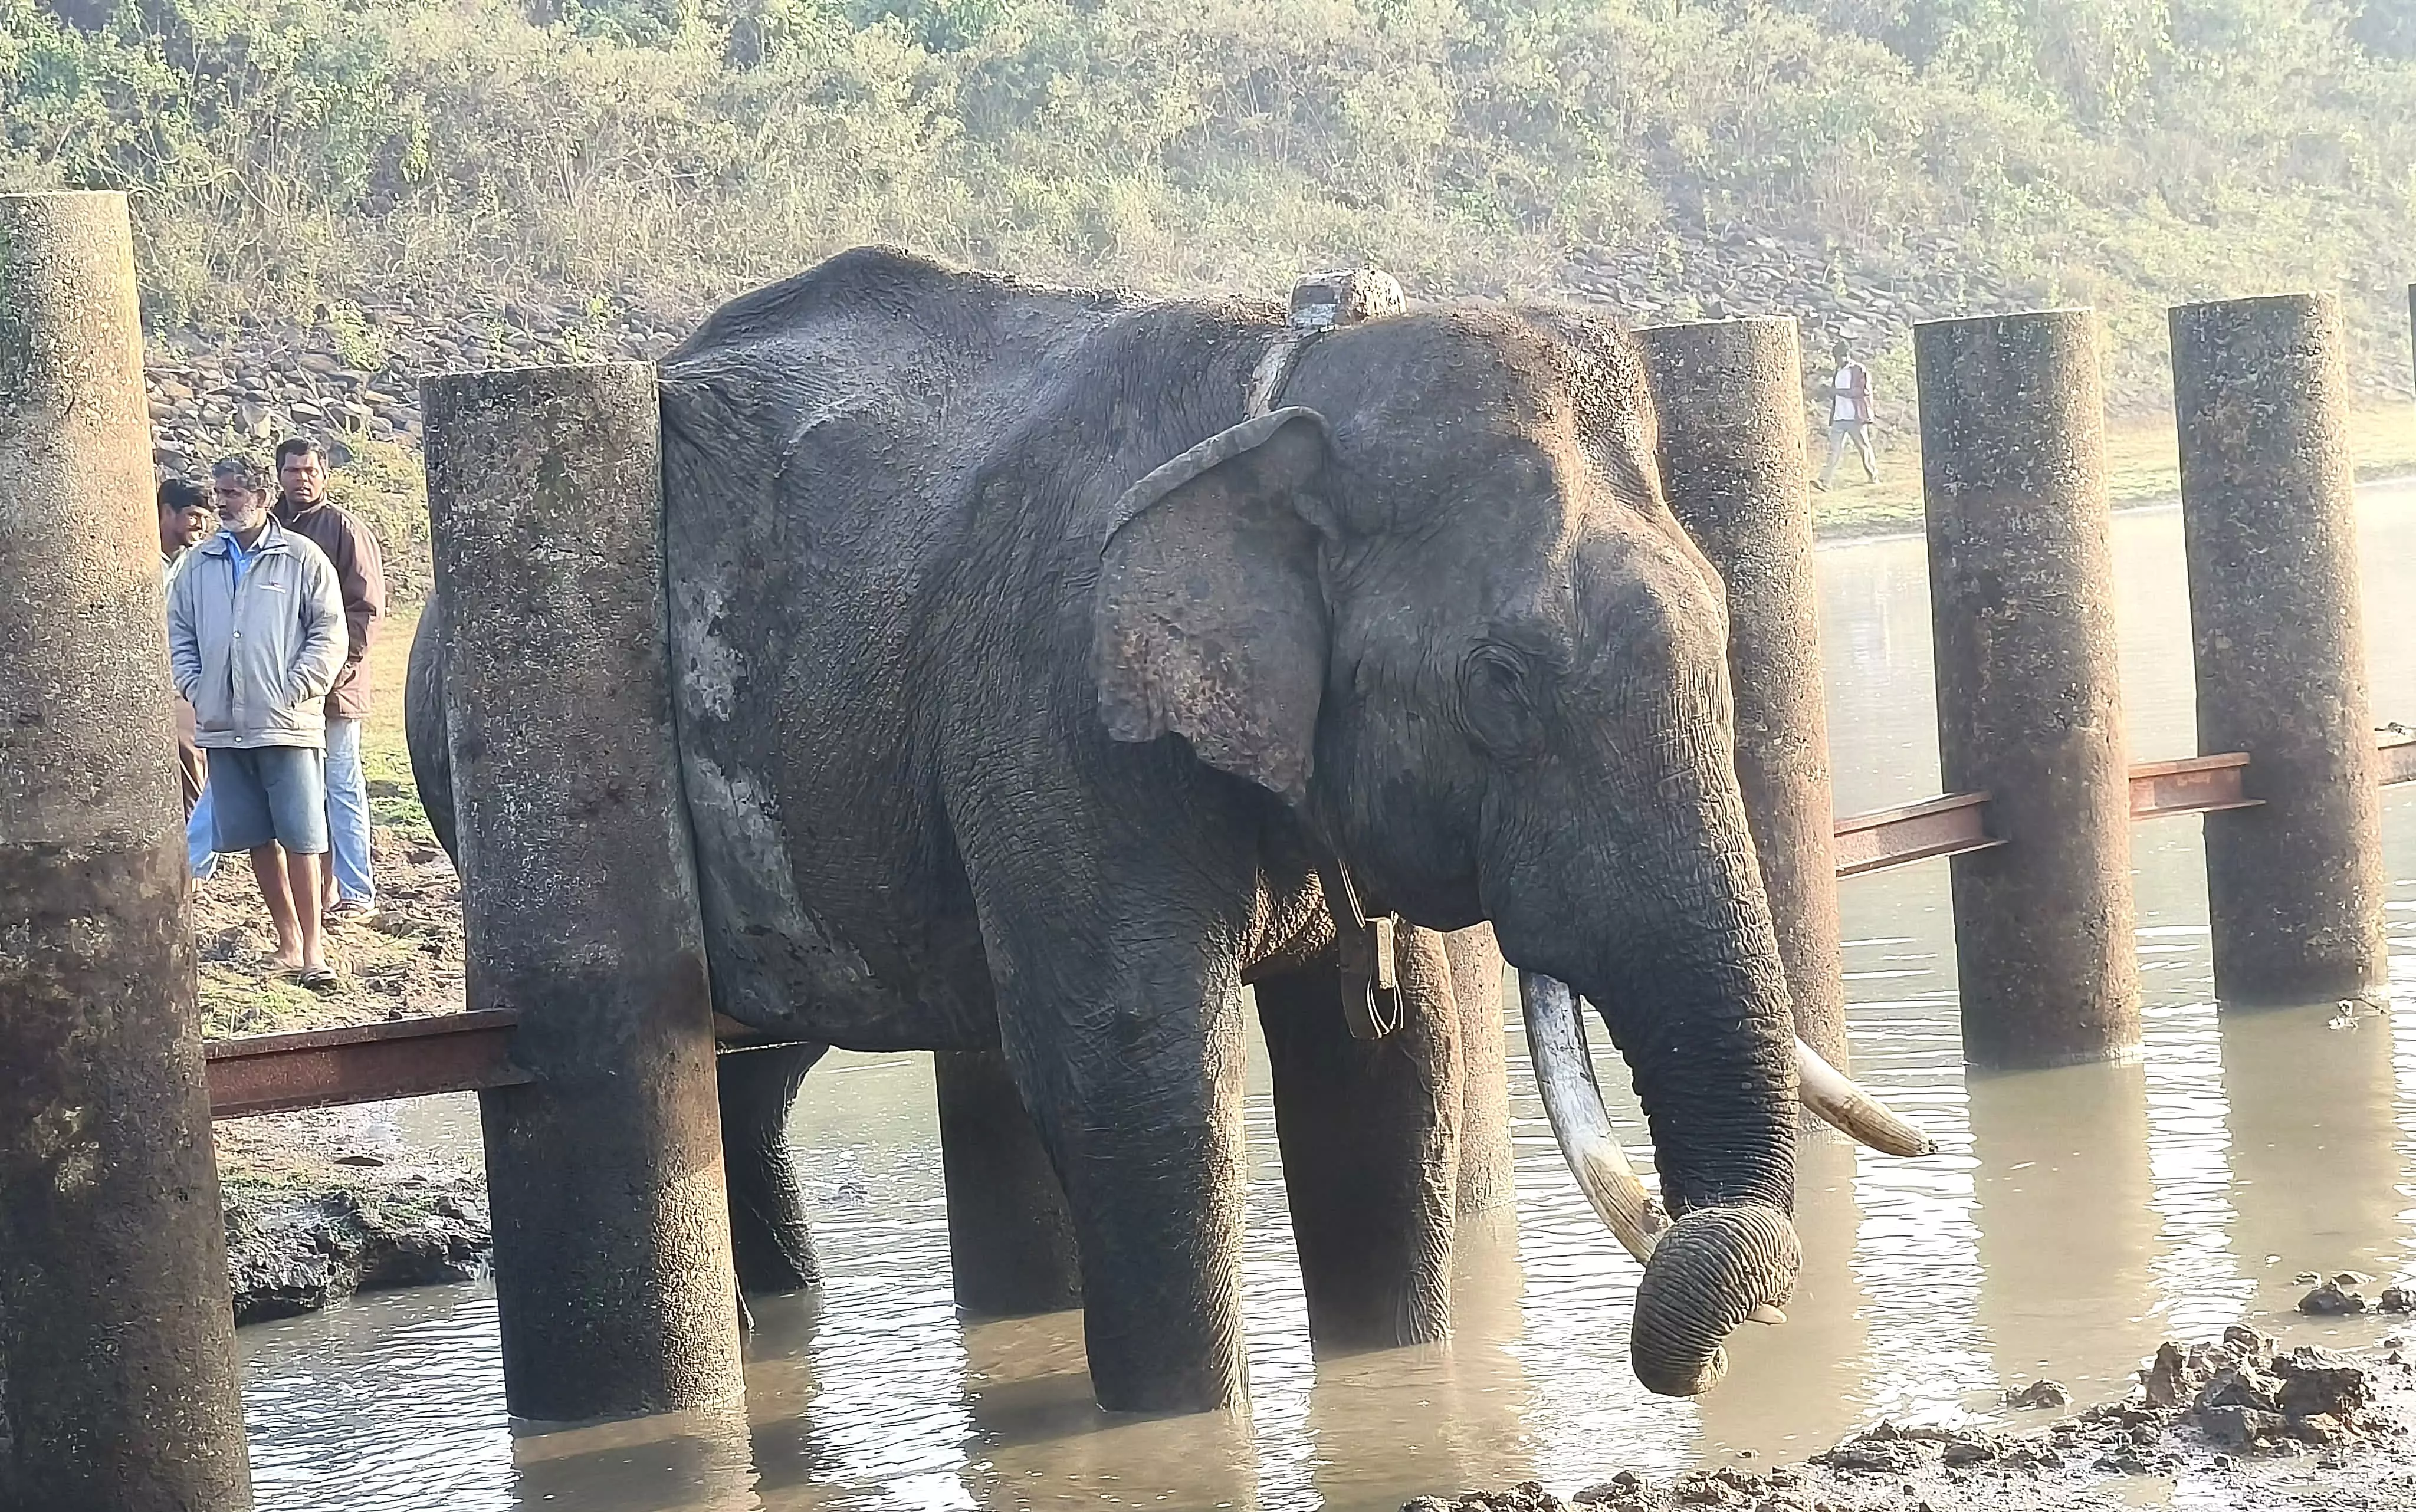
{"x":1209,"y":621}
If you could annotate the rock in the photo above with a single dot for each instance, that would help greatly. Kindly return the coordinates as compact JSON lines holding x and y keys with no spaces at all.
{"x":1866,"y":1455}
{"x":2317,"y":1382}
{"x":2240,"y":1427}
{"x":1967,"y":1452}
{"x":2039,"y":1394}
{"x":2243,"y":1385}
{"x":302,"y":1254}
{"x":2331,"y":1300}
{"x":360,"y":1159}
{"x":2397,"y":1300}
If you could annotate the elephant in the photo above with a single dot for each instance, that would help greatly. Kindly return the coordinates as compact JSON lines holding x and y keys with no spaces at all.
{"x":1051,"y":663}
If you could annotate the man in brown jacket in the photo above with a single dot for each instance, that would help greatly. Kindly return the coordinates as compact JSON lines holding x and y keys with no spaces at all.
{"x":302,"y":507}
{"x":185,"y":517}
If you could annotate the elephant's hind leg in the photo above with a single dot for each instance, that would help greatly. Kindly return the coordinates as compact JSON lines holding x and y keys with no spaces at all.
{"x":1369,"y":1133}
{"x":1010,"y":1238}
{"x":768,"y":1235}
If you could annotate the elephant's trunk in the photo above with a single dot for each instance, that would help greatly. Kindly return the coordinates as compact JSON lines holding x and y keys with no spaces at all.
{"x":1715,"y":1268}
{"x":1675,"y":947}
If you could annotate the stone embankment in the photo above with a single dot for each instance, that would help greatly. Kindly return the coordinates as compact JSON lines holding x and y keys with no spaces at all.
{"x":1870,"y":299}
{"x":355,"y":370}
{"x":354,"y":373}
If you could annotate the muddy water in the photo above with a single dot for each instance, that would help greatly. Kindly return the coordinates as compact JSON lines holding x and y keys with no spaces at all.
{"x":2072,"y":1220}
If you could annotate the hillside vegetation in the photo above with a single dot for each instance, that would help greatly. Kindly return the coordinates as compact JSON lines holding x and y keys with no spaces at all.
{"x":295,"y":158}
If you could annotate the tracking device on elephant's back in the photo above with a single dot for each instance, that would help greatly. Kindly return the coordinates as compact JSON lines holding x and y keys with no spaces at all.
{"x":1321,"y":302}
{"x":1343,"y":297}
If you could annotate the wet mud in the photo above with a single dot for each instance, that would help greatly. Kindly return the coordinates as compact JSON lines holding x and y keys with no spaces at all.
{"x":2237,"y":1422}
{"x":321,"y":1205}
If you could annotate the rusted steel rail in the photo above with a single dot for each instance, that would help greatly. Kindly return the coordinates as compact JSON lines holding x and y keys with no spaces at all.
{"x":2195,"y":784}
{"x":467,"y":1052}
{"x":1958,"y":822}
{"x":1946,"y":826}
{"x":1952,"y":825}
{"x":2398,"y":760}
{"x":365,"y":1063}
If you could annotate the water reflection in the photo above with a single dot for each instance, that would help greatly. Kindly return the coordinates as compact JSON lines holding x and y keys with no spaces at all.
{"x":699,"y":1461}
{"x":2315,"y":1157}
{"x":2061,"y":1201}
{"x":2071,"y":1219}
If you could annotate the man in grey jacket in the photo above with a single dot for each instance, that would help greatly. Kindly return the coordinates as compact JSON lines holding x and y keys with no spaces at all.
{"x":255,"y":639}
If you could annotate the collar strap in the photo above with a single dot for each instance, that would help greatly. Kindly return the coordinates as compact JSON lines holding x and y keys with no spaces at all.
{"x":1365,"y":948}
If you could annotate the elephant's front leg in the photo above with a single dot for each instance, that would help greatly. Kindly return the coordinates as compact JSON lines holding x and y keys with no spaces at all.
{"x":1369,"y":1130}
{"x":768,"y":1235}
{"x":1129,"y":1056}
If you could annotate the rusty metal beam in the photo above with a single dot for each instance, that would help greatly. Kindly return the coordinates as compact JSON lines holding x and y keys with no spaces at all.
{"x":2195,"y":784}
{"x":2396,"y":761}
{"x":467,"y":1052}
{"x":1946,"y":826}
{"x":365,"y":1063}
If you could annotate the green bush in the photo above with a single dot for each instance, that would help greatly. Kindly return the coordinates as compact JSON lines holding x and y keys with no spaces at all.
{"x":293,"y":153}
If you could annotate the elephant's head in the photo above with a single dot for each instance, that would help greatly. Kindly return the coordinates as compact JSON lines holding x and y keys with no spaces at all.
{"x":1437,"y":602}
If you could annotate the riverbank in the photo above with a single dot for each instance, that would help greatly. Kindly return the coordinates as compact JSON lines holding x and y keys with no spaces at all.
{"x":2142,"y":470}
{"x":322,"y":1204}
{"x":2236,"y":1423}
{"x":326,"y":1204}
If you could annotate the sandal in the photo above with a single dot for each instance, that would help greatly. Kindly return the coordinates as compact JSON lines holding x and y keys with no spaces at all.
{"x":320,"y":980}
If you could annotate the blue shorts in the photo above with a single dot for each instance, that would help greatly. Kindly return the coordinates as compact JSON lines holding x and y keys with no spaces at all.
{"x":272,"y":792}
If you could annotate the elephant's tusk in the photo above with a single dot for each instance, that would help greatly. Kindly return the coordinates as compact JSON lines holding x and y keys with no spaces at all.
{"x":1766,"y":1314}
{"x":1573,"y":1105}
{"x":1844,"y":1106}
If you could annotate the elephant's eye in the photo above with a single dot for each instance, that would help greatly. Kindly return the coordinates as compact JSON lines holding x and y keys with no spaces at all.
{"x":1499,"y":688}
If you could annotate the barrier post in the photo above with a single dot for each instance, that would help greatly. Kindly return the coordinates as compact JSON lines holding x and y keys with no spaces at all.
{"x":2029,"y":700}
{"x":612,"y":1263}
{"x":118,"y":1382}
{"x":1730,"y":397}
{"x":2294,"y":886}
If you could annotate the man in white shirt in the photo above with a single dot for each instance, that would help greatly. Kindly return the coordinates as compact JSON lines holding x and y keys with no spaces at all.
{"x":1849,"y":417}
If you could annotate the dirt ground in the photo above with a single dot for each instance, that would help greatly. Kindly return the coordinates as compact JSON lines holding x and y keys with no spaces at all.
{"x":2235,"y":1423}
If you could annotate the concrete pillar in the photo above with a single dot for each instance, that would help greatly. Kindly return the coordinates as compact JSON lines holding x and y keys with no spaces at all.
{"x":1010,"y":1238}
{"x":2268,"y":518}
{"x":118,"y":1385}
{"x":1488,"y":1194}
{"x":2030,"y":702}
{"x":612,"y":1265}
{"x":1729,"y":395}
